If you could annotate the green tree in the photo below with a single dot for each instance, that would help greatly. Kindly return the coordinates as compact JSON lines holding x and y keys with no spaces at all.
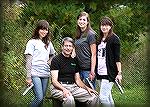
{"x":130,"y":20}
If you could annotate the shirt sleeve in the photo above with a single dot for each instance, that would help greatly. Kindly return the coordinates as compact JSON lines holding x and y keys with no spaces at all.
{"x":77,"y":65}
{"x":52,"y":50}
{"x":55,"y":63}
{"x":116,"y":49}
{"x":91,"y":38}
{"x":29,"y":48}
{"x":28,"y":65}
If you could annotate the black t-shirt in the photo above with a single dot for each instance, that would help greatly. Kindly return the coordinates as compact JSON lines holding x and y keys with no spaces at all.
{"x":67,"y":67}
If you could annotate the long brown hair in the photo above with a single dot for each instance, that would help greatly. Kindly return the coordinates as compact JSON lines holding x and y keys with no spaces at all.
{"x":42,"y":24}
{"x":105,"y":21}
{"x":78,"y":29}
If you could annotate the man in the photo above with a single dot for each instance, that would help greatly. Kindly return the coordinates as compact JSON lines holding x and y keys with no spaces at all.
{"x":66,"y":83}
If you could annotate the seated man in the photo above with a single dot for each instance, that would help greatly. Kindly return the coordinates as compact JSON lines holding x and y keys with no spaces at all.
{"x":66,"y":83}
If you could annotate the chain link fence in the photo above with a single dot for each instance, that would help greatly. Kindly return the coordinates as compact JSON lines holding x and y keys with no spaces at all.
{"x":134,"y":67}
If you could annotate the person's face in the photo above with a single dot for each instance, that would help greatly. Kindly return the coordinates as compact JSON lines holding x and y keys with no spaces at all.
{"x":82,"y":22}
{"x":43,"y":33}
{"x":105,"y":28}
{"x":67,"y":48}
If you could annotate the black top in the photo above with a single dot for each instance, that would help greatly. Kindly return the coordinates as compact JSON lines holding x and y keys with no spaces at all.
{"x":67,"y":67}
{"x":112,"y":56}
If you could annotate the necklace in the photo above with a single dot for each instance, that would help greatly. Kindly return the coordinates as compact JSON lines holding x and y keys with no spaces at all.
{"x":103,"y":39}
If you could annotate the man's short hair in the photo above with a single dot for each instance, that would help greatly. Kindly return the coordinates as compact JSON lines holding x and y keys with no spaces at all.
{"x":69,"y":39}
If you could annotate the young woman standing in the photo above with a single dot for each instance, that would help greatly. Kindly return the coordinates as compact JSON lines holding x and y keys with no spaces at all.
{"x":108,"y":61}
{"x":85,"y":47}
{"x":39,"y":51}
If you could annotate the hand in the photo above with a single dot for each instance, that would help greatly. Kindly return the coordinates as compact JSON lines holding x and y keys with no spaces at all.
{"x":29,"y":81}
{"x":73,"y":53}
{"x":92,"y":75}
{"x":66,"y":93}
{"x":90,"y":91}
{"x":119,"y":77}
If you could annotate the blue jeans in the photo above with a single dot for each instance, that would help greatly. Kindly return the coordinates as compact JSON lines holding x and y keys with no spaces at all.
{"x":40,"y":86}
{"x":84,"y":75}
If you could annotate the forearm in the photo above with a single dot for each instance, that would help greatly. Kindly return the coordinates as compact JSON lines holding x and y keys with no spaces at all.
{"x":119,"y":76}
{"x":57,"y":85}
{"x":54,"y":78}
{"x":28,"y":58}
{"x":93,"y":63}
{"x":93,"y":57}
{"x":81,"y":84}
{"x":119,"y":67}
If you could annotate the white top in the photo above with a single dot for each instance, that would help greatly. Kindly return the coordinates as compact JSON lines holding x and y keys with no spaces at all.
{"x":40,"y":54}
{"x":102,"y":69}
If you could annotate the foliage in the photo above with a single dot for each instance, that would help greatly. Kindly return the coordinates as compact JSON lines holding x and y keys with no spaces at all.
{"x":129,"y":19}
{"x":61,"y":18}
{"x":13,"y":63}
{"x":19,"y":22}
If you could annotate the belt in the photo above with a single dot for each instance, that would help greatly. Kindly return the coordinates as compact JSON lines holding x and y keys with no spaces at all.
{"x":66,"y":82}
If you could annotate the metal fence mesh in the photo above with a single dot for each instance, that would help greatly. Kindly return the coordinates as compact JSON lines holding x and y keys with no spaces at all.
{"x":134,"y":68}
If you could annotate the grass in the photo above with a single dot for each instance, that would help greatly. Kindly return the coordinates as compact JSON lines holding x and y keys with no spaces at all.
{"x":135,"y":95}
